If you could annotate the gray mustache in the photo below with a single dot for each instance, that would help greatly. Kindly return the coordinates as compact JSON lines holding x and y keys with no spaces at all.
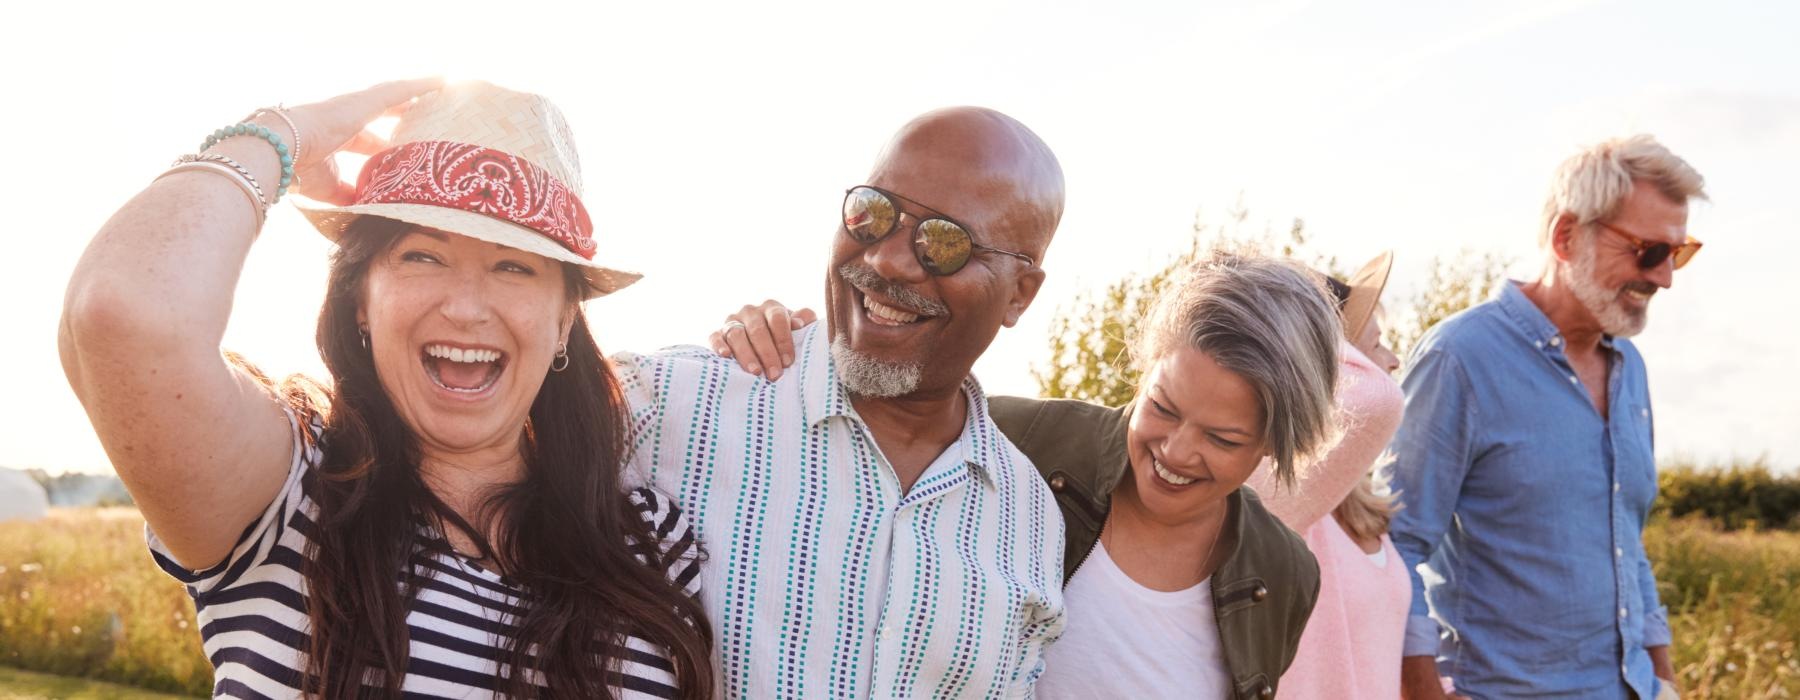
{"x":864,"y":278}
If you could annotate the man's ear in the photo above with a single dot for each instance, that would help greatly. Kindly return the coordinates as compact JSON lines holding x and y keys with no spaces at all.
{"x":1025,"y":288}
{"x":1562,"y":236}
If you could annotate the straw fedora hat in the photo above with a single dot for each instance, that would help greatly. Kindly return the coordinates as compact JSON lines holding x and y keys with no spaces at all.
{"x":485,"y":162}
{"x":1365,"y":293}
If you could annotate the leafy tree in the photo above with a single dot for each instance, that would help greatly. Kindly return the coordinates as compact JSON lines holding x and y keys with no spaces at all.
{"x":1090,"y":338}
{"x":1454,"y":284}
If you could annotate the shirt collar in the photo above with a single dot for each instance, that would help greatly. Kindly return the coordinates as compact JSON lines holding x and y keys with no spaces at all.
{"x":983,"y":446}
{"x":825,"y":397}
{"x":1530,"y":320}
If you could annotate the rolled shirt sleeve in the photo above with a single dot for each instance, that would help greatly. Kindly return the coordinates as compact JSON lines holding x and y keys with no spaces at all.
{"x":1432,"y":455}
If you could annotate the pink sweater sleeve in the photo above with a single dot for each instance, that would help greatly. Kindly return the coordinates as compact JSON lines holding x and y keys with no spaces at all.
{"x":1369,"y":404}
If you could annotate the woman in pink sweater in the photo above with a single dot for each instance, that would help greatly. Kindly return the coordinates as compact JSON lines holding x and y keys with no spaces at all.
{"x":1351,"y":646}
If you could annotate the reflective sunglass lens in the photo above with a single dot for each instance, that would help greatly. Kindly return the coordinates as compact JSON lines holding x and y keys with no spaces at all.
{"x":1653,"y":255}
{"x":868,"y":215}
{"x":943,"y":247}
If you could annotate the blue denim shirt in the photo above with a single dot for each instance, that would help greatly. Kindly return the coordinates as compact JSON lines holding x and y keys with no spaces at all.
{"x":1523,"y":511}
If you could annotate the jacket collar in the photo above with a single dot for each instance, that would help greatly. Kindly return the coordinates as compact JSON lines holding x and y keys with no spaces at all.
{"x":1110,"y":453}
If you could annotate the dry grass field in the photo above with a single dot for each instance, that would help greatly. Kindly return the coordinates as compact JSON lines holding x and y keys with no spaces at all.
{"x":80,"y":597}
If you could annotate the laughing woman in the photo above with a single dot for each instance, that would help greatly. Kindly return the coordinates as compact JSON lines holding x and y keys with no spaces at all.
{"x":446,"y":517}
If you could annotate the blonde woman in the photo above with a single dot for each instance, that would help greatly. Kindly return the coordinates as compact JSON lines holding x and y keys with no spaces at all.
{"x":1351,"y":648}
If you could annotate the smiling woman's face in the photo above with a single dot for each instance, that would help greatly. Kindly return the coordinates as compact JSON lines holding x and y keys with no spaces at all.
{"x":1196,"y":434}
{"x":463,"y":332}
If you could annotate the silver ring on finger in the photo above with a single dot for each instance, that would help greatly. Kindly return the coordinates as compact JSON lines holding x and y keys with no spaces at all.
{"x":733,"y":325}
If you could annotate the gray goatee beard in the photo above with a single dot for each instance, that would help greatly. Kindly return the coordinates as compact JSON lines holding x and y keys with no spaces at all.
{"x":1604,"y":304}
{"x":867,"y":376}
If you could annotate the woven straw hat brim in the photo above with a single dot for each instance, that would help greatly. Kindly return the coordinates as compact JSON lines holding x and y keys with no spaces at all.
{"x":1365,"y":293}
{"x":602,"y":280}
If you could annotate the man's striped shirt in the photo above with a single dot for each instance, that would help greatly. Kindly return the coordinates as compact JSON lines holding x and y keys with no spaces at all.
{"x":252,"y":607}
{"x":823,"y":579}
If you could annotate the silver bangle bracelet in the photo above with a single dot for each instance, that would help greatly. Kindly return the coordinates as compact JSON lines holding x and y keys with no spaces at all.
{"x":234,"y":165}
{"x":246,"y":186}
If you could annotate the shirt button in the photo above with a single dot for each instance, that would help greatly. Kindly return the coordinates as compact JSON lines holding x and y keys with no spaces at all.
{"x":1645,"y":412}
{"x":1621,"y":613}
{"x":1618,"y":552}
{"x":1556,"y":341}
{"x":1058,"y":483}
{"x":1540,"y":344}
{"x":1574,"y":379}
{"x":1615,"y":487}
{"x":887,"y":631}
{"x":1260,"y":594}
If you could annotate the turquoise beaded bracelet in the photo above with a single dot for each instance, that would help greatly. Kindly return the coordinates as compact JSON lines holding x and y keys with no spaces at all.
{"x":261,"y":132}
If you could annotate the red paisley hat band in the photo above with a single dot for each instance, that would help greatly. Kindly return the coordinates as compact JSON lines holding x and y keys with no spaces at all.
{"x":480,"y":180}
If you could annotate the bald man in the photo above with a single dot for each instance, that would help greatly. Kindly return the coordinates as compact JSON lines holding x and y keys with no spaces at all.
{"x":869,"y":532}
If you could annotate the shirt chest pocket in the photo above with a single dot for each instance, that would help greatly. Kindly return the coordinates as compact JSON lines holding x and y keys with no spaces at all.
{"x":1634,"y":464}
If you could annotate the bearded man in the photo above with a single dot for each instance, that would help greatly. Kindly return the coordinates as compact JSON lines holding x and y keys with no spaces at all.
{"x":1525,"y":462}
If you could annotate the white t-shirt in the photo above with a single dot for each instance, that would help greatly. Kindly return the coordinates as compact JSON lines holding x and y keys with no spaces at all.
{"x":1127,"y":641}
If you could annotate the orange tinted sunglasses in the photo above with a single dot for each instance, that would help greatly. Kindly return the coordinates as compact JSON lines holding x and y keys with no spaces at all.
{"x":1650,"y":254}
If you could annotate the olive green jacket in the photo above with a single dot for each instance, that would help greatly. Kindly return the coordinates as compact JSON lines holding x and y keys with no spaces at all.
{"x":1262,"y":593}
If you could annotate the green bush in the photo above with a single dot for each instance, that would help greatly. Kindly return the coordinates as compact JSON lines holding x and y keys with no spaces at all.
{"x":1737,"y":497}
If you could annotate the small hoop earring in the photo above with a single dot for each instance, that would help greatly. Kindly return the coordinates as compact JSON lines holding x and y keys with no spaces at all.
{"x":562,"y":358}
{"x":364,"y":332}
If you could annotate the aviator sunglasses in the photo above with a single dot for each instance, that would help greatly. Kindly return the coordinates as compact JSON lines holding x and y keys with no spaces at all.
{"x":941,"y":245}
{"x":1650,"y":255}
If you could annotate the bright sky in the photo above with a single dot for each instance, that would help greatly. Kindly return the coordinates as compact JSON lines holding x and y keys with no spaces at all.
{"x":717,"y":140}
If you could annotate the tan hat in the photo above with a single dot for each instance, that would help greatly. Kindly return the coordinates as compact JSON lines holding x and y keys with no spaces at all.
{"x":485,"y":162}
{"x":1365,"y":293}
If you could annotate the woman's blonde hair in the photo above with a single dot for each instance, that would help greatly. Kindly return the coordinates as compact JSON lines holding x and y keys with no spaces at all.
{"x":1364,"y":513}
{"x":1264,"y":319}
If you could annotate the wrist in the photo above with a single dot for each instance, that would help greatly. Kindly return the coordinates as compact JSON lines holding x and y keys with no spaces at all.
{"x":256,"y":155}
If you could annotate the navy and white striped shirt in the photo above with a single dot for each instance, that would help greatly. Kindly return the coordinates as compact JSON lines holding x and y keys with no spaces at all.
{"x":823,"y":578}
{"x":252,"y":607}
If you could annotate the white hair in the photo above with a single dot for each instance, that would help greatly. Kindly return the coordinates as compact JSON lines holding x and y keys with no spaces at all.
{"x":871,"y":377}
{"x":1594,"y":183}
{"x":1615,"y":318}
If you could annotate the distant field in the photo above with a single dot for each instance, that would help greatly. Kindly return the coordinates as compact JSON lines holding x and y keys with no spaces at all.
{"x":81,"y":598}
{"x":1734,"y":608}
{"x":28,"y":685}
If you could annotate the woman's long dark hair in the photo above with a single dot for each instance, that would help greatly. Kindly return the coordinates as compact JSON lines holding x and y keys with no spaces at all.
{"x":567,"y":534}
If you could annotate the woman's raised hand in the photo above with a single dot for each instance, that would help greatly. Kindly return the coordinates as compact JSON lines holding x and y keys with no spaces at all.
{"x":340,"y":124}
{"x":749,"y":336}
